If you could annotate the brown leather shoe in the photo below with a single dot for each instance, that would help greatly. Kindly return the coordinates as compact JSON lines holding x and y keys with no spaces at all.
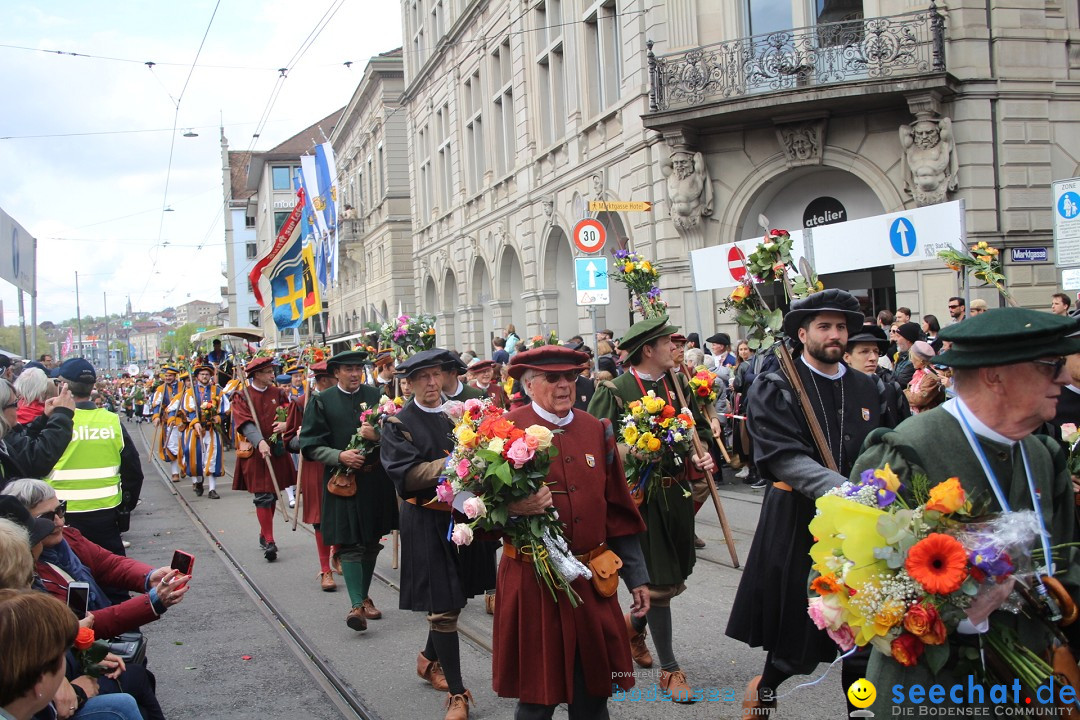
{"x":457,"y":706}
{"x":431,"y":671}
{"x":175,"y":477}
{"x":370,"y":611}
{"x":675,"y":683}
{"x":356,"y":620}
{"x":326,"y":582}
{"x":754,"y":707}
{"x":638,"y":649}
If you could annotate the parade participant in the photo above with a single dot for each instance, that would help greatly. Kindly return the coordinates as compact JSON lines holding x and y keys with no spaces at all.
{"x":668,"y":543}
{"x":1008,"y":369}
{"x":100,"y":474}
{"x":203,"y":454}
{"x":354,"y":523}
{"x":384,"y":373}
{"x":297,"y":375}
{"x":311,"y":473}
{"x":481,"y":377}
{"x":770,"y":605}
{"x":216,"y":357}
{"x":437,"y":576}
{"x":864,"y":348}
{"x":167,"y":437}
{"x":452,"y":387}
{"x":253,"y":473}
{"x":545,"y":651}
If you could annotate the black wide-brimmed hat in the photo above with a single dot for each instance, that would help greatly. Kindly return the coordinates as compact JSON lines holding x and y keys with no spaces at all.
{"x":435,"y":357}
{"x":869,"y":334}
{"x":831,"y":300}
{"x":1008,"y":335}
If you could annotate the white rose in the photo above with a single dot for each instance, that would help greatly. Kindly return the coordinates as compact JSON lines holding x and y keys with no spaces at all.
{"x":542,"y":434}
{"x":496,"y":445}
{"x":474,"y":507}
{"x":462,"y":534}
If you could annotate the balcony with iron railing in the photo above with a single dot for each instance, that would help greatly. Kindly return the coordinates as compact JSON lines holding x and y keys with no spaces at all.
{"x":827,"y":65}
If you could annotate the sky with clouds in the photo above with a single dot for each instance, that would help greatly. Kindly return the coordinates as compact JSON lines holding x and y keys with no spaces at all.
{"x":93,"y":190}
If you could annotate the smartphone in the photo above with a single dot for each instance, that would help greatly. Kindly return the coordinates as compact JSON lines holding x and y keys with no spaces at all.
{"x":78,"y":598}
{"x":183,"y":562}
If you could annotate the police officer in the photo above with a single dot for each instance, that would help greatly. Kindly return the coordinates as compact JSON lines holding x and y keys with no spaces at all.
{"x":99,"y":475}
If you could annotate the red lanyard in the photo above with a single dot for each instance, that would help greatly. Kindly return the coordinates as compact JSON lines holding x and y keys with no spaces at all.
{"x":663,"y":379}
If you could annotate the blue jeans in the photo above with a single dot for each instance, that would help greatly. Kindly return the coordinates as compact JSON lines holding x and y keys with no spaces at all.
{"x":117,"y":706}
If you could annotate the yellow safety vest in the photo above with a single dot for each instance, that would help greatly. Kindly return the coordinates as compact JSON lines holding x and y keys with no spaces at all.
{"x":88,"y":473}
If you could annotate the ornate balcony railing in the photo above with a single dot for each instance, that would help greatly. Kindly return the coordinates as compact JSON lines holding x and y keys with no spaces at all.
{"x":828,"y":54}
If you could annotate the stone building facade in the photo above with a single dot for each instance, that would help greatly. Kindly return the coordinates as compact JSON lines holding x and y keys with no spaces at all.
{"x":375,"y":267}
{"x":520,"y":112}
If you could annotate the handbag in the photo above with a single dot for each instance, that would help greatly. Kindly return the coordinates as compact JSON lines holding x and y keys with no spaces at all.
{"x":130,"y":646}
{"x":341,"y":484}
{"x":244,"y":449}
{"x":605,"y":572}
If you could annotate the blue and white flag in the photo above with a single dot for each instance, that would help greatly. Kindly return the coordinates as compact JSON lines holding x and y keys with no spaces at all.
{"x":326,"y":168}
{"x":308,"y":232}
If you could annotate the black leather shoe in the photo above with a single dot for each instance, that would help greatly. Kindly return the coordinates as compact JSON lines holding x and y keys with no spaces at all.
{"x":198,"y":489}
{"x":262,"y":541}
{"x":270,"y":553}
{"x":213,"y":495}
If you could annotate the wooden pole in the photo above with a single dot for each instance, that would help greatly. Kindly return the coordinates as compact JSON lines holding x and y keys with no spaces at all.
{"x":700,"y":451}
{"x":269,"y":465}
{"x":299,"y":490}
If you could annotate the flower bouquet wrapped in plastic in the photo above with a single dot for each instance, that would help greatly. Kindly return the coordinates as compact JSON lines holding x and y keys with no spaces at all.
{"x":658,"y":437}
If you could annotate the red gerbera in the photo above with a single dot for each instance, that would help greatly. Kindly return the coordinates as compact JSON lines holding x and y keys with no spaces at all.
{"x":939,"y":563}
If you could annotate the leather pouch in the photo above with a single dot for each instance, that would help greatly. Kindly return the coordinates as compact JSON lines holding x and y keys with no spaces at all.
{"x":244,"y":449}
{"x":341,"y":484}
{"x":605,"y":572}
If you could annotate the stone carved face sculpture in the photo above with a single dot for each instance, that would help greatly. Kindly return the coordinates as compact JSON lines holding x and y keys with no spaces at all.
{"x":683,"y":165}
{"x":926,"y":134}
{"x":548,"y":207}
{"x":802,"y":147}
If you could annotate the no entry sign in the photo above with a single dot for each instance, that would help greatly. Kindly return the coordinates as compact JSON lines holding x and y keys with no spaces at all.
{"x":589,"y":235}
{"x":736,"y":263}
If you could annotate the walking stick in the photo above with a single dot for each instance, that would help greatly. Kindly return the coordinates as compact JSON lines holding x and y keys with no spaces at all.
{"x":269,"y":465}
{"x":397,"y":540}
{"x":700,"y":452}
{"x":299,"y":491}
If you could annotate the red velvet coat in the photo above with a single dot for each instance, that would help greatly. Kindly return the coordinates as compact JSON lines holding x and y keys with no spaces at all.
{"x":251,"y":473}
{"x":108,"y":569}
{"x":535,"y":638}
{"x":311,"y":471}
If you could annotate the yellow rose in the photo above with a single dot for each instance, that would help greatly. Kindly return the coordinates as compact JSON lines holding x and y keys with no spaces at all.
{"x":890,"y":615}
{"x":646,"y":266}
{"x":542,"y":434}
{"x":465,"y":435}
{"x":740,"y":293}
{"x":947,"y":497}
{"x":628,"y":267}
{"x":630,"y":435}
{"x":654,"y":444}
{"x":644,"y":439}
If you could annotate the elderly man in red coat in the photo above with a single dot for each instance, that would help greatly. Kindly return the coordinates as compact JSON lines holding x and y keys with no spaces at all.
{"x":547,"y":652}
{"x":252,"y":473}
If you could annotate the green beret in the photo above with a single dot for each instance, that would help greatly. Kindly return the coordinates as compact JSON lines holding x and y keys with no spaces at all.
{"x":1008,"y":335}
{"x":350,"y":357}
{"x":646,"y":331}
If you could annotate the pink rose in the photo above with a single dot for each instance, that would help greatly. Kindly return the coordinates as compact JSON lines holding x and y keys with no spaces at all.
{"x":462,"y":534}
{"x":455,"y":409}
{"x":444,"y":492}
{"x":519,"y":453}
{"x":843,"y":637}
{"x":825,"y":612}
{"x":463,"y":468}
{"x":531,"y":442}
{"x":474,"y":507}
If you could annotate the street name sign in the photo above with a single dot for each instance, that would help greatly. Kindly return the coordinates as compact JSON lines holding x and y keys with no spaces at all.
{"x":620,"y":206}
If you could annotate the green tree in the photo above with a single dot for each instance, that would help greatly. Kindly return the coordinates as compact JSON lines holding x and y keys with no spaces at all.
{"x":11,"y":340}
{"x":178,"y":343}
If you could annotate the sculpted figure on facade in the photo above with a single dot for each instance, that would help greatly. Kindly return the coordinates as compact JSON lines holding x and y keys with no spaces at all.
{"x":689,"y":189}
{"x":930,"y":163}
{"x":802,"y":142}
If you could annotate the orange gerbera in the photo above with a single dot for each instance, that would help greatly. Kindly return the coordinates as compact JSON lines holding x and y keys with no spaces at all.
{"x":826,"y":584}
{"x":939,"y":563}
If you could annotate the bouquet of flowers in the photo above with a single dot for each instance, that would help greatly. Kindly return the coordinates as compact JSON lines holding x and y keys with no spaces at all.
{"x":374,"y":417}
{"x":281,"y":414}
{"x":208,"y":415}
{"x":658,"y":437}
{"x":409,"y":335}
{"x":496,"y":464}
{"x":908,"y":578}
{"x":539,"y":341}
{"x":642,"y":278}
{"x":984,"y":261}
{"x":702,"y":384}
{"x":90,"y":652}
{"x":1071,"y":436}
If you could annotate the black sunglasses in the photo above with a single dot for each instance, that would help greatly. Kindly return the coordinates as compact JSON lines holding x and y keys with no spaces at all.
{"x":1055,"y":365}
{"x":59,"y":512}
{"x":554,"y":377}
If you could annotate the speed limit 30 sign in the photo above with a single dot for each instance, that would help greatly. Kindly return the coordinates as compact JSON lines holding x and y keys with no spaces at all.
{"x":589,"y":235}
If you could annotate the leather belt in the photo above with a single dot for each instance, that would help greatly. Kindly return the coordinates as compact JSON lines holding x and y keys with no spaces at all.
{"x":512,"y":552}
{"x":430,"y":504}
{"x":668,"y":481}
{"x":781,"y":486}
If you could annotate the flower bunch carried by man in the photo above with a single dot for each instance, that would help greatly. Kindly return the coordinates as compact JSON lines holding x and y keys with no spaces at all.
{"x":409,"y":335}
{"x":495,"y":464}
{"x":659,"y":438}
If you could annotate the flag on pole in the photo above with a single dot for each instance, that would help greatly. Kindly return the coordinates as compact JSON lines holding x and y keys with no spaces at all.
{"x":308,"y":232}
{"x":326,"y":168}
{"x":290,"y":231}
{"x":68,"y":344}
{"x":293,"y":286}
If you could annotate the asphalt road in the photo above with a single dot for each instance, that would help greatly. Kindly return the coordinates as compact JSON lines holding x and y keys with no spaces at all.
{"x":198,"y":649}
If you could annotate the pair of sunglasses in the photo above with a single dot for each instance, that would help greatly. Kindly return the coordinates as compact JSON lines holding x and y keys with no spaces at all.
{"x":59,"y":512}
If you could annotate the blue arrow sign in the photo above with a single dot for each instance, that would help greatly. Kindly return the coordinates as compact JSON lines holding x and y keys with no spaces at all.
{"x":592,"y":282}
{"x":902,"y":237}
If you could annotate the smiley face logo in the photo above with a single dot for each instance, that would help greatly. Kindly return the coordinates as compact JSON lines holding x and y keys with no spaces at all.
{"x":862,"y":693}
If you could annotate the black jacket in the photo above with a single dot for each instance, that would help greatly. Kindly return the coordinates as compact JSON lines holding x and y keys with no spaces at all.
{"x":37,"y":446}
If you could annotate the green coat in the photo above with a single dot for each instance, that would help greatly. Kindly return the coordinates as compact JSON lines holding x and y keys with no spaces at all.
{"x":668,"y":543}
{"x":933,"y":443}
{"x":330,"y":420}
{"x":468,"y":392}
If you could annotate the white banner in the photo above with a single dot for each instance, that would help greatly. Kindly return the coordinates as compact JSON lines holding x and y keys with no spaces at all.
{"x":899,"y":238}
{"x":17,"y":259}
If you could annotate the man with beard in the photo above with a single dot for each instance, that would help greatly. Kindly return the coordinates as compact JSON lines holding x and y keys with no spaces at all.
{"x":770,"y":605}
{"x":437,"y":576}
{"x":668,"y":510}
{"x":353,"y":523}
{"x":168,"y":437}
{"x":202,"y":405}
